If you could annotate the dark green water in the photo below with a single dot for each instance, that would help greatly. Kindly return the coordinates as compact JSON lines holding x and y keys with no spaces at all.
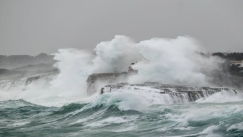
{"x":19,"y":118}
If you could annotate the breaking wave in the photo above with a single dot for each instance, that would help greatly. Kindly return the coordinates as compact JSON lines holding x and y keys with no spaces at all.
{"x":168,"y":61}
{"x":109,"y":117}
{"x":57,"y":104}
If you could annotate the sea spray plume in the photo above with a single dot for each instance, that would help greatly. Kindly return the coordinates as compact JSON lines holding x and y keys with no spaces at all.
{"x":173,"y":61}
{"x":112,"y":57}
{"x":115,"y":55}
{"x":168,"y":61}
{"x":75,"y":66}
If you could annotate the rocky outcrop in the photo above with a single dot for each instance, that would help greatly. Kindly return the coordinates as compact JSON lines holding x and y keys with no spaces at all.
{"x":96,"y":81}
{"x":227,"y":80}
{"x":182,"y":93}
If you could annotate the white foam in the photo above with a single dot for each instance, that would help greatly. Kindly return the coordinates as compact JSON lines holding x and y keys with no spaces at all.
{"x":238,"y":126}
{"x":19,"y":124}
{"x":222,"y":97}
{"x":111,"y":120}
{"x":91,"y":117}
{"x":173,"y":61}
{"x":210,"y":129}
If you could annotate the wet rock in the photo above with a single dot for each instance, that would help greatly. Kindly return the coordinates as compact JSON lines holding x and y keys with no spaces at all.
{"x":96,"y":81}
{"x":187,"y":93}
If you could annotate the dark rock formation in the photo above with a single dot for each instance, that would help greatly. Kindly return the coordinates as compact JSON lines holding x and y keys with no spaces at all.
{"x":96,"y":81}
{"x":189,"y":94}
{"x":225,"y":79}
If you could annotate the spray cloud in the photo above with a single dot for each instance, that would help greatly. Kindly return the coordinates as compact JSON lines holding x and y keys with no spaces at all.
{"x":167,"y":61}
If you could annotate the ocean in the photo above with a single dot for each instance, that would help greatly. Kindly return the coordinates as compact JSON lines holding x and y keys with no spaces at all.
{"x":107,"y":118}
{"x":58,"y":104}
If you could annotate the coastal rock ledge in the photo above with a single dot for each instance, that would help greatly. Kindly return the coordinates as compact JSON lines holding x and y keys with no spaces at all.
{"x":178,"y":94}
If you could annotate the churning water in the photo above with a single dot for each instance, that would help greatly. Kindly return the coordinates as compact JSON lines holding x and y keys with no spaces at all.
{"x":111,"y":116}
{"x":57,"y":105}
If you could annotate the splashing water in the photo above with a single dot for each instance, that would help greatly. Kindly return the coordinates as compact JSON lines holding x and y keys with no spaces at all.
{"x":168,"y":61}
{"x":58,"y":104}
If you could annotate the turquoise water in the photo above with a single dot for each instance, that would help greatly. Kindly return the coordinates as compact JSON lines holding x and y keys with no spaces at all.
{"x":19,"y":118}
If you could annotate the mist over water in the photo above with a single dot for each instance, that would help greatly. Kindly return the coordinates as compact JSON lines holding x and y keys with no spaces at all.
{"x":167,"y":61}
{"x":174,"y":61}
{"x":57,"y":104}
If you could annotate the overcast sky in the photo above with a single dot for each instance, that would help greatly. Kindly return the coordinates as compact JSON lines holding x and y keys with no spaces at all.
{"x":35,"y":26}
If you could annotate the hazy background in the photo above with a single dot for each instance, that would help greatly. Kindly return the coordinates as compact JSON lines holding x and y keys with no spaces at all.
{"x":32,"y":27}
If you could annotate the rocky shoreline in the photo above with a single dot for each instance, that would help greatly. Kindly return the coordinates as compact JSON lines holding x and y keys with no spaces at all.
{"x":190,"y":93}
